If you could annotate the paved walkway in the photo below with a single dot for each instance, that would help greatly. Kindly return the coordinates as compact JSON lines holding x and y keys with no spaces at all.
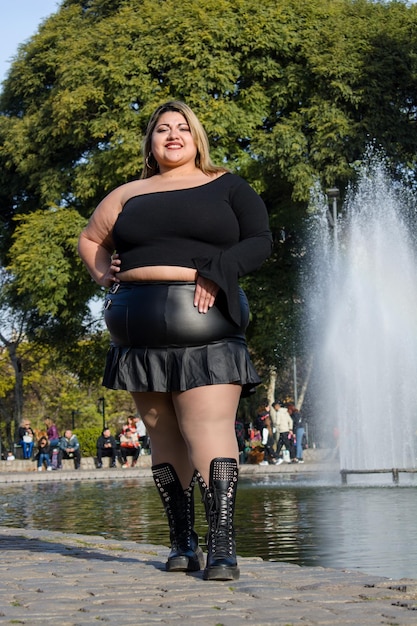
{"x":74,"y":580}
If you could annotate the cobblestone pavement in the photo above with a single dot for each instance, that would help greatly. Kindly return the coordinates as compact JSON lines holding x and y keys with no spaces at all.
{"x":76,"y":580}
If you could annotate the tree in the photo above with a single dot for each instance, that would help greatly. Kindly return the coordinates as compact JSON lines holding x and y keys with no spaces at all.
{"x":12,"y":325}
{"x":289,"y":92}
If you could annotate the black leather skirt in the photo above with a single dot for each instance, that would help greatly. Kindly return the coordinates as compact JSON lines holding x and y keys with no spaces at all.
{"x":160,"y":342}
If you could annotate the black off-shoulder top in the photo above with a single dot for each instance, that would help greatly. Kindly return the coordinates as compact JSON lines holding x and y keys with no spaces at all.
{"x":220,"y":229}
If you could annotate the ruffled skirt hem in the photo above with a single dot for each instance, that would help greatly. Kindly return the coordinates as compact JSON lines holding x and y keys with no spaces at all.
{"x":180,"y":368}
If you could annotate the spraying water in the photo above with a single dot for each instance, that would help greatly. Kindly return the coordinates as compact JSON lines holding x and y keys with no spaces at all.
{"x":363,"y":324}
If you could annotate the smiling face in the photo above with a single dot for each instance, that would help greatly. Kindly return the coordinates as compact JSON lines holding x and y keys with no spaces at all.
{"x":172,"y":142}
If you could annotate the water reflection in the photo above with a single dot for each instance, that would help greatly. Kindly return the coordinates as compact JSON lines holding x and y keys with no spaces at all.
{"x":367,"y":528}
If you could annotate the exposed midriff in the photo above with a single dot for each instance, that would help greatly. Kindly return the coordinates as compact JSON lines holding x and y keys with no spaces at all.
{"x":159,"y":272}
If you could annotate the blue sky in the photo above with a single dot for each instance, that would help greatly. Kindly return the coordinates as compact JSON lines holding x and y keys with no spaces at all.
{"x":19,"y":21}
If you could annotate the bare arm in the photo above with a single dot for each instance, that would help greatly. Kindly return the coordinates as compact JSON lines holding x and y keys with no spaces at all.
{"x":98,"y":260}
{"x":95,"y":245}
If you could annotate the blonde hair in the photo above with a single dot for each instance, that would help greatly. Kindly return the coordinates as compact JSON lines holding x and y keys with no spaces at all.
{"x":202,"y":160}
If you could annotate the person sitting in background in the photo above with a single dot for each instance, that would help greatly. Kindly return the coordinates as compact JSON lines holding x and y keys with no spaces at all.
{"x":106,"y":446}
{"x":10,"y":456}
{"x":69,"y":448}
{"x":52,"y":432}
{"x":43,"y":454}
{"x":26,"y":439}
{"x":129,"y":442}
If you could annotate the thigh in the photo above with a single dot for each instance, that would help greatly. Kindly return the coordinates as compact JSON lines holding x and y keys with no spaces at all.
{"x":158,"y":414}
{"x":167,"y":442}
{"x":207,"y":416}
{"x":156,"y":410}
{"x":204,"y":410}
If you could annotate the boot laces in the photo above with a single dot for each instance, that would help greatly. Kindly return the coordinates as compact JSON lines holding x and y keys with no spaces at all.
{"x":179,"y":517}
{"x":222,"y":534}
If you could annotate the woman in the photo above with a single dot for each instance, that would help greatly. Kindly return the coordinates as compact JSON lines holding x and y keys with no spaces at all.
{"x":26,"y":439}
{"x":171,"y":247}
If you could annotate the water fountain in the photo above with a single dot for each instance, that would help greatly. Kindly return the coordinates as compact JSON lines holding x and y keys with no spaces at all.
{"x":363,"y":322}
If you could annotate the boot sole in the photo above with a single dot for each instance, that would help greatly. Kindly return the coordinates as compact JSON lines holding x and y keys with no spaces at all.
{"x":221,"y":573}
{"x":185,"y":563}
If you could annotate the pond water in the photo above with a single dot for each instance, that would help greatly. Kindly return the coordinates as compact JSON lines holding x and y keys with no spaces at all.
{"x":305,"y":522}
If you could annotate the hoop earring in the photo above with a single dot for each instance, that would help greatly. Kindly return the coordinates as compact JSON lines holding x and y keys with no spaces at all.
{"x":151,"y":167}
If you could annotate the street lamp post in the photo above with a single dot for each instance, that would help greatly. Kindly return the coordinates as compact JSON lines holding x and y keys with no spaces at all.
{"x":73,"y":414}
{"x":333,"y":194}
{"x":101,"y":405}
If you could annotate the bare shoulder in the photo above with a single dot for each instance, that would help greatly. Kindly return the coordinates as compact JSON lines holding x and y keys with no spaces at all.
{"x":100,"y":225}
{"x":118,"y":196}
{"x":128,"y":190}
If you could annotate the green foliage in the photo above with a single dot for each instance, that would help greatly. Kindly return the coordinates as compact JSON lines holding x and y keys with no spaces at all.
{"x":88,"y":439}
{"x":86,"y":357}
{"x":45,"y":263}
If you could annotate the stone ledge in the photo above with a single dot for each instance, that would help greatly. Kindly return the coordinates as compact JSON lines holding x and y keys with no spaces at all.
{"x":87,"y":463}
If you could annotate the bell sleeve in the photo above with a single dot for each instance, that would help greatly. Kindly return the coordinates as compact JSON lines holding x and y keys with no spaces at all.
{"x":253,"y":248}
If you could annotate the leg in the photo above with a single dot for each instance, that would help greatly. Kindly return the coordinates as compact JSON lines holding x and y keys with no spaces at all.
{"x":279,"y":444}
{"x":123,"y":457}
{"x":206,"y":416}
{"x":207,"y":419}
{"x":24,"y":449}
{"x":167,"y":442}
{"x":144,"y":442}
{"x":185,"y":554}
{"x":299,"y":438}
{"x":291,"y":447}
{"x":77,"y":459}
{"x":174,"y":478}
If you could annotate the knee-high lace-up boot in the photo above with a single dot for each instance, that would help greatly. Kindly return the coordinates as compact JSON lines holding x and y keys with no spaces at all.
{"x":185,"y":555}
{"x":219,"y":501}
